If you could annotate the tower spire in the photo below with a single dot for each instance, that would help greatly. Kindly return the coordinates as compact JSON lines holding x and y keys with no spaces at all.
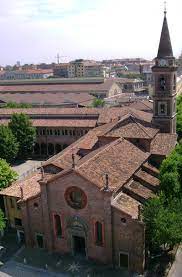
{"x":165,"y":8}
{"x":165,"y":47}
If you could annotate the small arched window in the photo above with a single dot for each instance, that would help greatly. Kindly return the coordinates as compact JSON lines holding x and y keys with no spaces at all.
{"x":174,"y":82}
{"x":162,"y":83}
{"x":57,"y":225}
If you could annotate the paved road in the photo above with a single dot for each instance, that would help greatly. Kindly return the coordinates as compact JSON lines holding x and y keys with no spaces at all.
{"x":176,"y":269}
{"x":14,"y":269}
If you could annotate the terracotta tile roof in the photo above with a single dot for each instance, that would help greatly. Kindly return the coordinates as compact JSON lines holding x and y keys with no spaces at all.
{"x":64,"y":158}
{"x":126,"y":204}
{"x":82,"y":87}
{"x":120,"y":159}
{"x":150,"y":168}
{"x":47,"y":98}
{"x":53,"y":111}
{"x":58,"y":123}
{"x":109,"y":114}
{"x":163,"y":144}
{"x":132,"y":127}
{"x":138,"y":191}
{"x":64,"y":123}
{"x":30,"y":187}
{"x":142,"y":105}
{"x":103,"y":115}
{"x":147,"y":178}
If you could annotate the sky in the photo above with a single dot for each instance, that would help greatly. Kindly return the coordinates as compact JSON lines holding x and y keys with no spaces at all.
{"x":34,"y":31}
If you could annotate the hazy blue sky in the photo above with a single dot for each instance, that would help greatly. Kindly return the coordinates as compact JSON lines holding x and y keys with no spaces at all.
{"x":35,"y":30}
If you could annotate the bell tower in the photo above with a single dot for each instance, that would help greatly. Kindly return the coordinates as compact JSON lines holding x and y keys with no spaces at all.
{"x":164,"y":72}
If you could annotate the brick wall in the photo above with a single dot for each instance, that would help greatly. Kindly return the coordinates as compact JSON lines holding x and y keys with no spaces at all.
{"x":129,"y":239}
{"x":97,"y":208}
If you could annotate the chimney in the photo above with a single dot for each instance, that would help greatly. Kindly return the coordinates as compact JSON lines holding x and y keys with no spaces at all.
{"x":106,"y":182}
{"x":21,"y":192}
{"x":73,"y":160}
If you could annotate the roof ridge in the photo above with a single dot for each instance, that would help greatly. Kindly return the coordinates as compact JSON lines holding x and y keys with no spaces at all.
{"x":141,"y":127}
{"x":146,"y":105}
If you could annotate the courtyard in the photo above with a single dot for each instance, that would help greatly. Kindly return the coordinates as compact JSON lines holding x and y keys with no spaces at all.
{"x":65,"y":265}
{"x":24,"y":168}
{"x":18,"y":261}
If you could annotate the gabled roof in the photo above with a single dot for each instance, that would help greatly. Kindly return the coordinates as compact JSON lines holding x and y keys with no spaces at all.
{"x":163,"y":144}
{"x":165,"y":47}
{"x":119,"y":159}
{"x":30,"y":186}
{"x":132,"y":127}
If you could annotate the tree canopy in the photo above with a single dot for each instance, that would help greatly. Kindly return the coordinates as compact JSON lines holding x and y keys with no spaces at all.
{"x":25,"y":133}
{"x":97,"y":102}
{"x":9,"y":145}
{"x":163,"y":221}
{"x":179,"y":116}
{"x":2,"y":221}
{"x":14,"y":105}
{"x":7,"y":174}
{"x":163,"y":214}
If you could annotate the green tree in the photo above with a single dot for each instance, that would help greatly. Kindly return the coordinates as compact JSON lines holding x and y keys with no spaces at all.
{"x":2,"y":221}
{"x":170,"y":184}
{"x":163,"y":214}
{"x":97,"y":102}
{"x":163,"y":221}
{"x":171,"y":174}
{"x":179,"y":116}
{"x":7,"y":174}
{"x":9,"y":144}
{"x":14,"y":105}
{"x":24,"y":132}
{"x":131,"y":75}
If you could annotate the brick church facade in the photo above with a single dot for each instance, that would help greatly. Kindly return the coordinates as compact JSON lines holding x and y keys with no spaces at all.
{"x":87,"y":199}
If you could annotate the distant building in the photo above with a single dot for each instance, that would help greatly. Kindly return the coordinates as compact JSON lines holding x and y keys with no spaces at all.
{"x":61,"y":70}
{"x":81,"y":69}
{"x":135,"y":86}
{"x":26,"y":74}
{"x":58,"y":92}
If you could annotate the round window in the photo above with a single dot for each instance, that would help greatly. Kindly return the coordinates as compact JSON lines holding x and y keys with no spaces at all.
{"x":76,"y":198}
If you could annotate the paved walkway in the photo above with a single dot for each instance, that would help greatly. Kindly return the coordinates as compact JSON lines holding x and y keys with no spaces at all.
{"x":176,"y":269}
{"x":14,"y":269}
{"x":26,"y":167}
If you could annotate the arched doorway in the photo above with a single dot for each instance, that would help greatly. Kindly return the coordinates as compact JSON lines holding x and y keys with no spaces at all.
{"x":58,"y":148}
{"x":50,"y":149}
{"x":43,"y":149}
{"x":36,"y":149}
{"x":77,"y":236}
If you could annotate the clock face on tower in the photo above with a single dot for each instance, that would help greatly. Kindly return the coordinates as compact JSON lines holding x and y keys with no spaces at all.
{"x":163,"y":62}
